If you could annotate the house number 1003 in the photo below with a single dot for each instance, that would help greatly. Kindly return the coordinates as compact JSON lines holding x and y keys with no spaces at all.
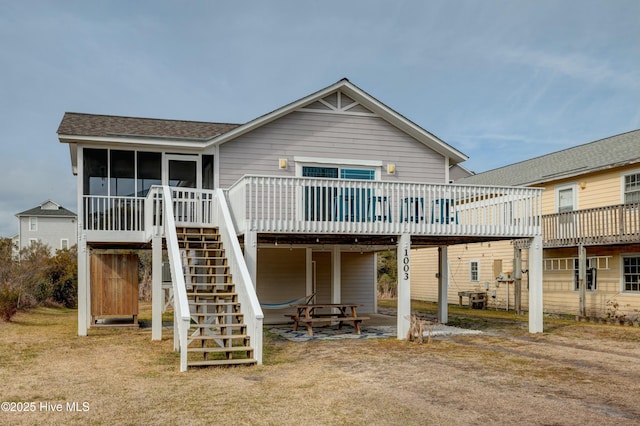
{"x":405,"y":264}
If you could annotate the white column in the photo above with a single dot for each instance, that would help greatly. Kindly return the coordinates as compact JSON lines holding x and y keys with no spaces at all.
{"x":157,"y":295}
{"x":84,"y":303}
{"x":404,"y":285}
{"x":535,"y":285}
{"x":443,"y":284}
{"x":336,"y":278}
{"x":251,"y":255}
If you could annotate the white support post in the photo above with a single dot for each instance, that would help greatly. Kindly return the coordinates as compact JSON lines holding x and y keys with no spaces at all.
{"x":84,"y":303}
{"x":336,"y":278}
{"x":157,"y":295}
{"x":443,"y":284}
{"x":404,"y":285}
{"x":251,"y":255}
{"x":535,"y":286}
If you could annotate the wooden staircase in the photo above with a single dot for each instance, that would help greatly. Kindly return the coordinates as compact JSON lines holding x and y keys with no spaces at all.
{"x":217,"y":334}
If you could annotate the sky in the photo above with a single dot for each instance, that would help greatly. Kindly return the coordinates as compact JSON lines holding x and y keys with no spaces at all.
{"x":500,"y":80}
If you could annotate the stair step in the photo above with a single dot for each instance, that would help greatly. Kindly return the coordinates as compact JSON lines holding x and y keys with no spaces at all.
{"x":219,"y":295}
{"x":247,"y":361}
{"x":219,"y":349}
{"x":218,"y":325}
{"x":218,"y":337}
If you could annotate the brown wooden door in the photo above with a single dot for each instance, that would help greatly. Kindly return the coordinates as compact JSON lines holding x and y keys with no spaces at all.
{"x":114,"y":284}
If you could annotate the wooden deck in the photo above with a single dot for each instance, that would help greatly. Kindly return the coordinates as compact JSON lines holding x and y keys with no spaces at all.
{"x":618,"y":224}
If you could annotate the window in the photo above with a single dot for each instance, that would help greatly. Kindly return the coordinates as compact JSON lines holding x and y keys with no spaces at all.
{"x":149,"y":171}
{"x":565,"y":199}
{"x":590,"y":275}
{"x":120,"y":173}
{"x":632,"y":188}
{"x":339,"y":202}
{"x":474,"y":271}
{"x":33,"y":241}
{"x":33,"y":224}
{"x":631,"y":274}
{"x":64,"y":243}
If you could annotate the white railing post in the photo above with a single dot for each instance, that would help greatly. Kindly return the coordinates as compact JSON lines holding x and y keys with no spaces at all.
{"x":182,"y":316}
{"x":245,"y":288}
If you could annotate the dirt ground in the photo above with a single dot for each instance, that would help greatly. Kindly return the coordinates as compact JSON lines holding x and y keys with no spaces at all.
{"x":573,"y":374}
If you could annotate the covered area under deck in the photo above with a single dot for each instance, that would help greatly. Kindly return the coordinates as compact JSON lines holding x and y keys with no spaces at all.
{"x":336,"y":246}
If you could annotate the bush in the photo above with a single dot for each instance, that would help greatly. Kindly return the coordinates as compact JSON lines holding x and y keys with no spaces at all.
{"x":62,"y":274}
{"x":35,"y":277}
{"x":9,"y":298}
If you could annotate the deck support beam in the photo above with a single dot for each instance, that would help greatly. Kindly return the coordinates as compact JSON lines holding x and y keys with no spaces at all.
{"x":443,"y":284}
{"x":404,"y":285}
{"x":84,"y":299}
{"x":535,"y":286}
{"x":336,"y":277}
{"x":251,"y":255}
{"x":157,"y":295}
{"x":582,"y":279}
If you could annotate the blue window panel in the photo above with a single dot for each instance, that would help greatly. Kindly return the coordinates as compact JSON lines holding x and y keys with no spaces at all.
{"x":357,"y":174}
{"x":320,"y":172}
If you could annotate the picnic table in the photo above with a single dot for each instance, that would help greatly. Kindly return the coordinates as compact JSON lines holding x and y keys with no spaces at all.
{"x":319,"y":313}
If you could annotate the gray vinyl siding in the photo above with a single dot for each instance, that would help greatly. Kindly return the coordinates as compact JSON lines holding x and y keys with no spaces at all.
{"x":281,"y":277}
{"x":358,"y":280}
{"x":336,"y":136}
{"x":50,"y":231}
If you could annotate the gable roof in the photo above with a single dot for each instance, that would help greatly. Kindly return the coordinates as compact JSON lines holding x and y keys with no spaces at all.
{"x":41,"y":212}
{"x":79,"y":127}
{"x":614,"y":151}
{"x":366,"y":100}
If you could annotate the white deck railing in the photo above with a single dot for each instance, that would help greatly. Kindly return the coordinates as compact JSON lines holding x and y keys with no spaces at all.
{"x":182,"y":314}
{"x":251,"y":310}
{"x":340,"y":206}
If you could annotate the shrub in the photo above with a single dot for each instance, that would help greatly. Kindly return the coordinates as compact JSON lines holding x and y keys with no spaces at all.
{"x":9,"y":298}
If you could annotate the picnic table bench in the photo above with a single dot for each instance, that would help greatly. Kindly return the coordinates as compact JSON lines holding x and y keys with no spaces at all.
{"x":310,"y":314}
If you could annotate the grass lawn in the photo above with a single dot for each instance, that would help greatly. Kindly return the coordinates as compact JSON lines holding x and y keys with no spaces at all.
{"x":574,"y":373}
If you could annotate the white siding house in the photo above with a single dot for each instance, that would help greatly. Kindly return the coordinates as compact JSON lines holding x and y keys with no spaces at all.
{"x":48,"y":223}
{"x":302,"y":199}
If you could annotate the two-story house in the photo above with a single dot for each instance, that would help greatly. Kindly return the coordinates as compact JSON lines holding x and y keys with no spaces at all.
{"x":293,"y":203}
{"x":48,"y":223}
{"x":591,"y":234}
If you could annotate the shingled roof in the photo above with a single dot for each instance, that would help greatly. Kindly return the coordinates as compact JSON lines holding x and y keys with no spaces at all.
{"x":602,"y":154}
{"x":79,"y":124}
{"x":50,"y":212}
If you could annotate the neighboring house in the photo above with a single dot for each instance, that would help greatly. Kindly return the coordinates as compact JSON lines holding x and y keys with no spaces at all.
{"x":48,"y":223}
{"x":309,"y":192}
{"x":591,"y":210}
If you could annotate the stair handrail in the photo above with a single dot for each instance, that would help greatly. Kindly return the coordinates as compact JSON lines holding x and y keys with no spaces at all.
{"x":182,"y":315}
{"x":251,"y":310}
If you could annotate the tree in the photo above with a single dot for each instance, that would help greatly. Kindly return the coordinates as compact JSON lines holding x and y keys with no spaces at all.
{"x":387,"y":273}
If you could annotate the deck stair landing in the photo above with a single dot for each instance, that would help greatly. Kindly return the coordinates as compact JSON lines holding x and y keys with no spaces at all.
{"x":217,"y":334}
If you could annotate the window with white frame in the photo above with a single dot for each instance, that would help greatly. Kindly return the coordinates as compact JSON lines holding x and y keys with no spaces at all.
{"x":33,"y":241}
{"x":33,"y":224}
{"x":336,"y":202}
{"x":631,"y":188}
{"x":591,"y":274}
{"x":474,"y":271}
{"x":565,"y":198}
{"x":64,"y":243}
{"x":631,"y":274}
